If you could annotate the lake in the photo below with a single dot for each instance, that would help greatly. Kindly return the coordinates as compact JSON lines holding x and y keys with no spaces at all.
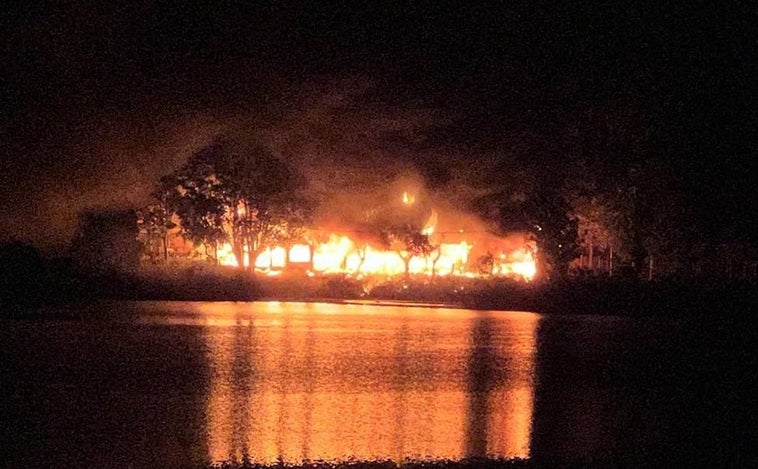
{"x":172,"y":384}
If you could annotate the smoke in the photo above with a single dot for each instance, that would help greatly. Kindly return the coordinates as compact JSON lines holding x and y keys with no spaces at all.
{"x":98,"y":164}
{"x":358,"y":144}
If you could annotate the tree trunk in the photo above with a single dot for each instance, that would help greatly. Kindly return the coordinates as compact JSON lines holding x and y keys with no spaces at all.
{"x":254,"y":253}
{"x":239,"y":254}
{"x":610,"y":260}
{"x":591,"y":258}
{"x":362,"y":257}
{"x":434,"y":262}
{"x":211,"y":247}
{"x":650,"y":269}
{"x":165,"y":247}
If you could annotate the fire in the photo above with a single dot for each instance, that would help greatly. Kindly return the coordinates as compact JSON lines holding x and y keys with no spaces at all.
{"x":300,"y":254}
{"x":342,"y":254}
{"x":455,"y":252}
{"x":271,"y":258}
{"x":328,"y":257}
{"x":408,"y":199}
{"x":430,"y":224}
{"x":522,"y":264}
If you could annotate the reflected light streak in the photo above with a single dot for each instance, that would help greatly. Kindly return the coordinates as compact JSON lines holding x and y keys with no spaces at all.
{"x":219,"y":422}
{"x":512,"y":408}
{"x":362,"y":386}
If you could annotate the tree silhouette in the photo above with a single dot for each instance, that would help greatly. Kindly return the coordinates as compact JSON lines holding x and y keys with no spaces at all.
{"x":106,"y":241}
{"x":547,"y":216}
{"x":154,"y":223}
{"x":408,"y":242}
{"x":237,"y":193}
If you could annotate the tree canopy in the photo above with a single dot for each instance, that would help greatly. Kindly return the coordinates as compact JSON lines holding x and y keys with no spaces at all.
{"x":237,"y":193}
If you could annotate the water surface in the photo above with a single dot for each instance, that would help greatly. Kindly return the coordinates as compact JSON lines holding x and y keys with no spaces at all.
{"x":173,"y":384}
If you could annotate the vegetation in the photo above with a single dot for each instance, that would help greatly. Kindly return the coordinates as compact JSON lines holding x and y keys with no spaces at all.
{"x":612,"y":236}
{"x":155,"y":222}
{"x":30,"y":282}
{"x":242,"y":195}
{"x":106,"y":241}
{"x":610,"y":208}
{"x":613,"y":228}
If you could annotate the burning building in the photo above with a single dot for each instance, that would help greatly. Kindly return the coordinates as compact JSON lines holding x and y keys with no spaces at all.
{"x":411,"y":239}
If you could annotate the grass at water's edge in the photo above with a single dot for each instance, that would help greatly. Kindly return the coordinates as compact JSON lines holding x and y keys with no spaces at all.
{"x":196,"y":282}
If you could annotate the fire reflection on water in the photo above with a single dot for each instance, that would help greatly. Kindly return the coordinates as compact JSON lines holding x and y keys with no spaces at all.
{"x":369,"y":383}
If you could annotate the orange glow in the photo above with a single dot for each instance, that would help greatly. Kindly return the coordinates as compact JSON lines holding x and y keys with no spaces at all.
{"x":328,"y":257}
{"x":293,"y":408}
{"x":431,"y":224}
{"x":271,"y":258}
{"x":521,"y":265}
{"x":456,"y":252}
{"x":511,"y":407}
{"x":300,"y":253}
{"x":453,"y":258}
{"x":340,"y":254}
{"x":408,"y":199}
{"x":225,"y":256}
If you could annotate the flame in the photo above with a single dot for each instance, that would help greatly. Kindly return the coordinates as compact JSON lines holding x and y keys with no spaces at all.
{"x":344,"y":254}
{"x":300,"y":254}
{"x":271,"y":258}
{"x":519,"y":264}
{"x":328,"y":257}
{"x":431,"y":224}
{"x":408,"y":199}
{"x":340,"y":254}
{"x":225,"y":256}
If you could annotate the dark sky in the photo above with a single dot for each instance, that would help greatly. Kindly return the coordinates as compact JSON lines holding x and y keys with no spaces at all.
{"x":99,"y":99}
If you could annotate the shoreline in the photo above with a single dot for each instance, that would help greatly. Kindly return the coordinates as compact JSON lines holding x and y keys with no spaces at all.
{"x":615,"y":296}
{"x":576,"y":296}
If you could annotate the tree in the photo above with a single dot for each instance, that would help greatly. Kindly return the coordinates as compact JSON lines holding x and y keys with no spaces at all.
{"x":638,"y":214}
{"x":408,"y":242}
{"x":547,"y":216}
{"x":106,"y":241}
{"x":399,"y":225}
{"x":663,"y":223}
{"x":603,"y":222}
{"x":240,"y":194}
{"x":192,"y":195}
{"x":154,"y":223}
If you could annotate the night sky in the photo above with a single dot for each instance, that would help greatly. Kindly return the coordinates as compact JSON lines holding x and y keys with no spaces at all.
{"x":99,"y":99}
